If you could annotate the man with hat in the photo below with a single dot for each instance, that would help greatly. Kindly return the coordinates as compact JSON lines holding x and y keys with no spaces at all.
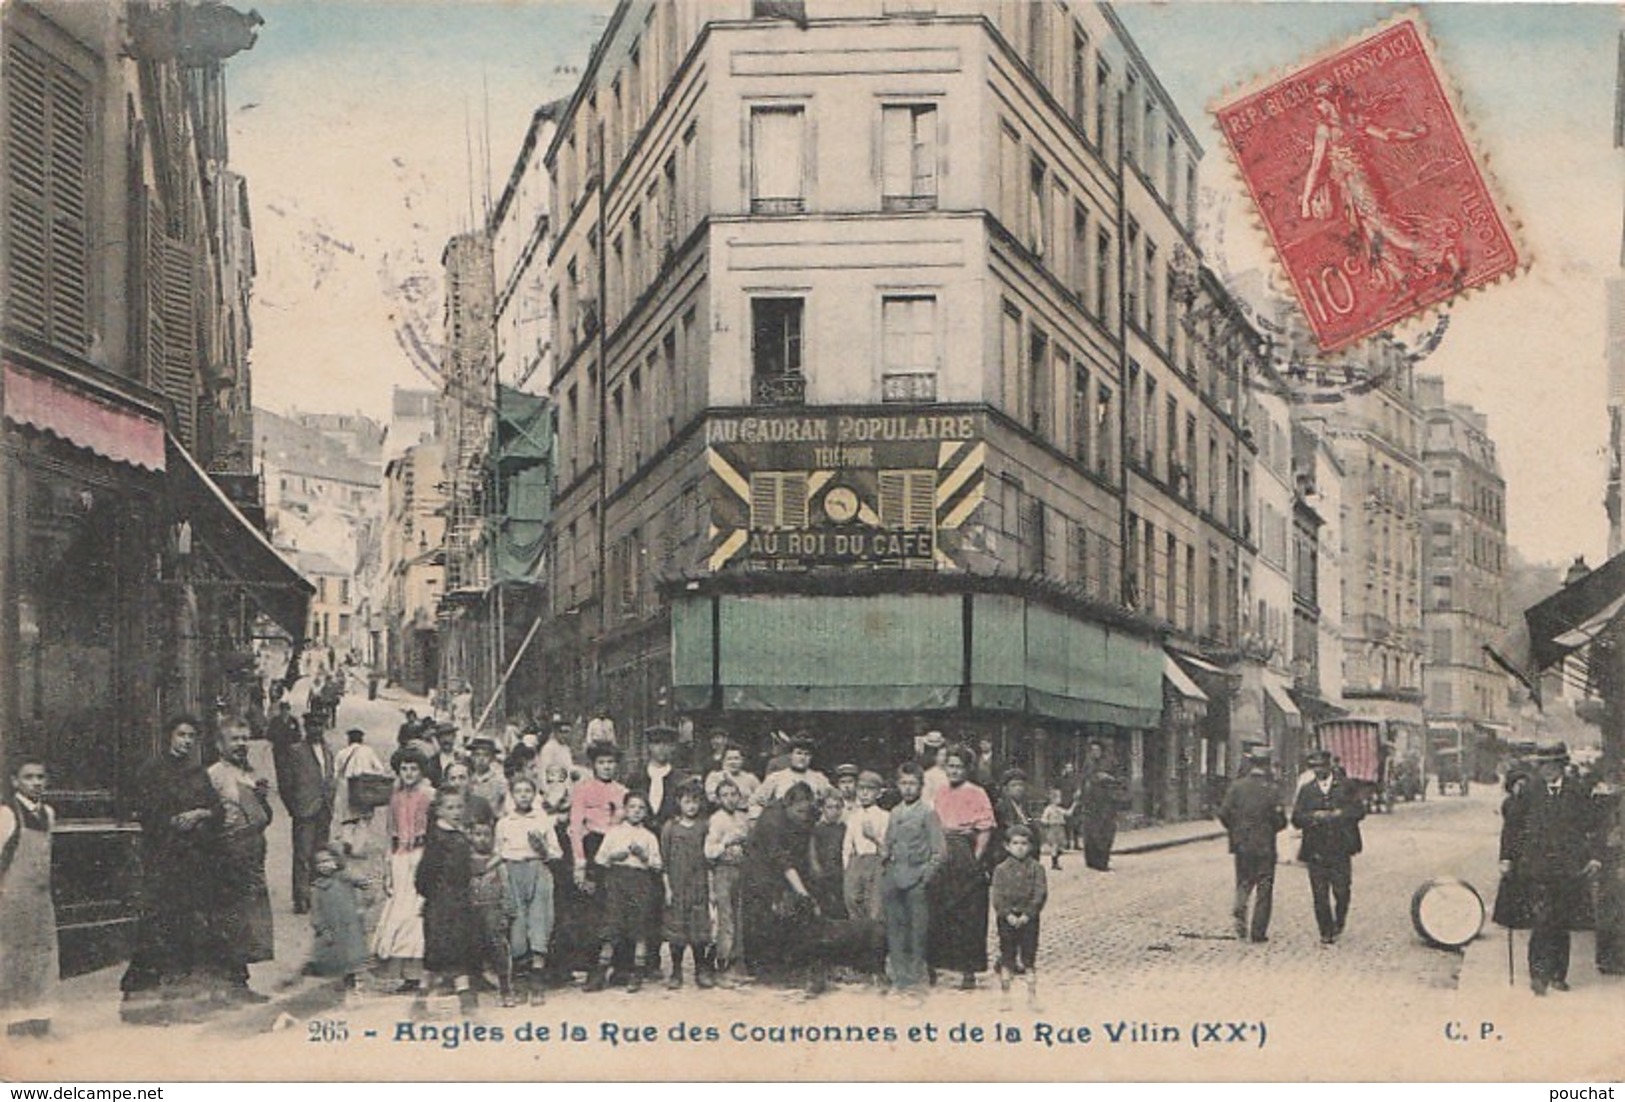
{"x":1252,"y":814}
{"x":656,"y":778}
{"x":798,"y":771}
{"x":1328,"y":811}
{"x":1550,"y":850}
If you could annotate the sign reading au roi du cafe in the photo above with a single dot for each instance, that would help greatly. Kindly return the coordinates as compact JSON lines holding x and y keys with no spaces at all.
{"x":871,"y":488}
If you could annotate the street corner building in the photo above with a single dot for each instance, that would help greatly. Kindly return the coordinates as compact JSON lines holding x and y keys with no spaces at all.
{"x":136,"y":577}
{"x":892,"y":394}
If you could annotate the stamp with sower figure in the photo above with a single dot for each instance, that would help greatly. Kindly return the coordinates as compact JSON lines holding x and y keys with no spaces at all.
{"x":1371,"y":193}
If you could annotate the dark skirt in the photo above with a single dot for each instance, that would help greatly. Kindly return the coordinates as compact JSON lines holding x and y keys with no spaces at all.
{"x":243,"y":920}
{"x":451,"y":941}
{"x":632,"y":899}
{"x":957,"y":902}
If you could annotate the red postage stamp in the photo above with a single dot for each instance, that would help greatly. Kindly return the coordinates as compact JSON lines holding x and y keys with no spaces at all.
{"x":1371,"y":193}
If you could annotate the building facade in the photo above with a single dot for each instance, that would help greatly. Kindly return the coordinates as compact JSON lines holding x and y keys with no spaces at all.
{"x":135,"y":583}
{"x":890,"y":392}
{"x":1372,"y":428}
{"x":1464,"y":521}
{"x":413,"y":565}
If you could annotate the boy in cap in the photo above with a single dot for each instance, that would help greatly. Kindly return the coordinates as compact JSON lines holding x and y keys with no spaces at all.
{"x":860,"y":855}
{"x":1020,"y":890}
{"x":846,"y":783}
{"x":485,"y":779}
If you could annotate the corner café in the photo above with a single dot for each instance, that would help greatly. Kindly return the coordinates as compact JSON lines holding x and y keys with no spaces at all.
{"x":868,"y":669}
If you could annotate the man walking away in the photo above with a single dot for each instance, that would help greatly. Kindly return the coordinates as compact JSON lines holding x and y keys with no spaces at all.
{"x":1328,"y":811}
{"x":1253,"y":815}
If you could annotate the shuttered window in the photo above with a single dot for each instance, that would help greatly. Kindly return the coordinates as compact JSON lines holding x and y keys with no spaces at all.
{"x":909,"y":156}
{"x":908,"y":499}
{"x":777,"y":144}
{"x":47,"y":149}
{"x":778,"y":499}
{"x":179,"y":379}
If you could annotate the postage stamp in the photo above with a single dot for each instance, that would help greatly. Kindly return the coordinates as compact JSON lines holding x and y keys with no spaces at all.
{"x":1373,"y":197}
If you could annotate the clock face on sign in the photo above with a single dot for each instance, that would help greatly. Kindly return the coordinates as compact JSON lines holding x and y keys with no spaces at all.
{"x":841,"y":504}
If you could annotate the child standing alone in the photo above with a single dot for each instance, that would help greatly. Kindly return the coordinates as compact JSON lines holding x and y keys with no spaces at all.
{"x":339,"y":944}
{"x":687,"y":920}
{"x":630,"y":858}
{"x":1020,"y":889}
{"x":1053,"y":820}
{"x":725,"y":850}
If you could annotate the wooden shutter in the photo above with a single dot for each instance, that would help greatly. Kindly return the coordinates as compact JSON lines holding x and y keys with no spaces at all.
{"x":48,"y":256}
{"x":179,"y":379}
{"x":908,"y":499}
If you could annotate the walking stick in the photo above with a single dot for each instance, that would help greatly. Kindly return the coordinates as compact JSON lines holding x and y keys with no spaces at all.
{"x":1512,"y":979}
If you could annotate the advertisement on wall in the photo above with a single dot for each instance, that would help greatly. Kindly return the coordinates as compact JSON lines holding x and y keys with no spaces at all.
{"x":798,"y":489}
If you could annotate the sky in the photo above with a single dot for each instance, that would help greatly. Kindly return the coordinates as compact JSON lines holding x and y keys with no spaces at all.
{"x":363,"y":129}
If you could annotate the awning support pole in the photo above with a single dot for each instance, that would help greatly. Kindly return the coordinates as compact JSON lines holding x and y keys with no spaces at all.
{"x":514,"y":665}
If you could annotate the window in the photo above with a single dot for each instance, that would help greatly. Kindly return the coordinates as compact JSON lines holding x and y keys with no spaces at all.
{"x":1038,"y":40}
{"x":1148,"y":575}
{"x":1103,"y":430}
{"x":47,"y":263}
{"x":1190,"y":589}
{"x":777,"y":148}
{"x":794,"y":10}
{"x":1150,"y":411}
{"x":1131,"y":395}
{"x":1032,"y":535}
{"x":1010,"y":193}
{"x":1442,"y":649}
{"x":1103,"y":271}
{"x":1442,"y":591}
{"x":1103,"y":94}
{"x":1037,"y":207}
{"x":1172,"y":167}
{"x":776,"y":328}
{"x":1149,"y":139}
{"x":778,"y":499}
{"x":1082,"y":415}
{"x":1079,"y":560}
{"x":908,"y":500}
{"x":1131,"y":294}
{"x":1080,"y":78}
{"x":1078,"y":276}
{"x":1441,"y":487}
{"x":1190,"y":457}
{"x":1038,"y":395}
{"x":1148,"y":271}
{"x":1010,"y":359}
{"x":1131,"y":109}
{"x":908,"y":325}
{"x":909,"y":157}
{"x":1171,"y":441}
{"x":1442,"y":544}
{"x":1172,"y":600}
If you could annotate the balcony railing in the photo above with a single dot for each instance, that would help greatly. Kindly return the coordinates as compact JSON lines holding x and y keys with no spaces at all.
{"x":779,"y":390}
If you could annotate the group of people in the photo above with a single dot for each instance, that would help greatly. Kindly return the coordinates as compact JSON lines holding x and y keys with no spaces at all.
{"x":522,"y":865}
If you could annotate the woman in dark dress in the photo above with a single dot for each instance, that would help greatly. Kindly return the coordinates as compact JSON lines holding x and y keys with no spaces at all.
{"x":957,"y":896}
{"x":181,"y":857}
{"x":444,"y":880}
{"x":774,"y":881}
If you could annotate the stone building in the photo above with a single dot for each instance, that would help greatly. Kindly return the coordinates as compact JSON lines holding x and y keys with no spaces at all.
{"x":890,"y":391}
{"x":1465,"y":573}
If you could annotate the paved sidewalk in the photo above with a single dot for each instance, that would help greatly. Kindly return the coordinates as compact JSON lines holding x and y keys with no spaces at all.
{"x":1484,"y":976}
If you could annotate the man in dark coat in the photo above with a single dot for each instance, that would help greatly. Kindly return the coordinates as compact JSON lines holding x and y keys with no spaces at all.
{"x":657,"y":779}
{"x":1097,"y":809}
{"x":304,"y":774}
{"x":1550,"y":849}
{"x":1253,"y":815}
{"x":1328,"y":811}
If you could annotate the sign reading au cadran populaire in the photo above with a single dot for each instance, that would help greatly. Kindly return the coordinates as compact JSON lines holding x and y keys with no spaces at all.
{"x":798,"y":489}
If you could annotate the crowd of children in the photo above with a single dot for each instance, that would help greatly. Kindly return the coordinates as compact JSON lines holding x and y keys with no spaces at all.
{"x":520,"y":870}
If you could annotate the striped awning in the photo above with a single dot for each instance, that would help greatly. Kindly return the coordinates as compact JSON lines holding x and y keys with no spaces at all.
{"x":112,"y":432}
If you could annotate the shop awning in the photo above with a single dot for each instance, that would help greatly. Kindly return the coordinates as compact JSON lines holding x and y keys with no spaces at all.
{"x":234,"y":546}
{"x":1279,"y":693}
{"x":112,"y":432}
{"x":1180,"y":680}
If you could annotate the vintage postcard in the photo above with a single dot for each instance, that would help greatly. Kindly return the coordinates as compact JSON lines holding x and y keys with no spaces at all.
{"x":811,"y":540}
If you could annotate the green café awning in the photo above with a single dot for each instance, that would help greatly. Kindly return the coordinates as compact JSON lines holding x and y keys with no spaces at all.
{"x":890,"y":652}
{"x":906,"y":652}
